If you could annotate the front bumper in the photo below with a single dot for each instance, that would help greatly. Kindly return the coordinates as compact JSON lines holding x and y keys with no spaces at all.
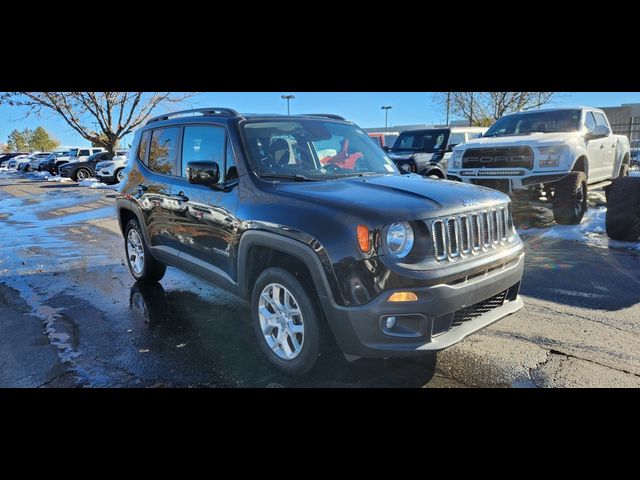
{"x":506,"y":180}
{"x":443,"y":315}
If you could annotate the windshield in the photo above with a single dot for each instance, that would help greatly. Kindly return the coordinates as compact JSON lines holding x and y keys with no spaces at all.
{"x":428,"y":141}
{"x":536,"y":122}
{"x":312,"y":150}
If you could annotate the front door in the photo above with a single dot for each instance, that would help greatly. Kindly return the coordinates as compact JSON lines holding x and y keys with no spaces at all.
{"x":205,"y":223}
{"x":596,"y":152}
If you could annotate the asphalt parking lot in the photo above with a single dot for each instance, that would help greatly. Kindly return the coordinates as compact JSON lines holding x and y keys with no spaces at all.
{"x":71,"y":315}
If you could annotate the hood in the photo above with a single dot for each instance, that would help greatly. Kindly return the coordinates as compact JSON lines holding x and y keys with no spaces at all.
{"x":394,"y":197}
{"x":533,"y":140}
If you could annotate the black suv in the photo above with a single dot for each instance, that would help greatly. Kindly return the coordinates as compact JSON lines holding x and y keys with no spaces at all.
{"x":78,"y":171}
{"x":312,"y":223}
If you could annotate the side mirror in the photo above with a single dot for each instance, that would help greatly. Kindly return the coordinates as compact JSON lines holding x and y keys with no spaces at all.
{"x":386,"y":148}
{"x":451,"y":147}
{"x":203,"y":173}
{"x":598,"y":132}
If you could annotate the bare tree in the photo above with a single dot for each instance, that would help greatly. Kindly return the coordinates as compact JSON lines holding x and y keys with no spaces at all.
{"x":484,"y":108}
{"x":102,"y":118}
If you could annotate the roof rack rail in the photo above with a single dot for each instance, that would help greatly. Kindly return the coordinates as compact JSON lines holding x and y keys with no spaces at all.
{"x":229,"y":112}
{"x":324,"y":115}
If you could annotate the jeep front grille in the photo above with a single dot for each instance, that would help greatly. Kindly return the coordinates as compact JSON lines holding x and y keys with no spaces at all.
{"x":471,"y":232}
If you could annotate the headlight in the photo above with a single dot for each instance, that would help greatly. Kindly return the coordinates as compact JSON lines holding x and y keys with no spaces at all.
{"x":550,"y":156}
{"x":457,"y":159}
{"x":400,"y":239}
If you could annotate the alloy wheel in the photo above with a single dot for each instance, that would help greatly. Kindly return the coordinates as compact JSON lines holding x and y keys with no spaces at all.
{"x":281,"y":321}
{"x":135,"y":252}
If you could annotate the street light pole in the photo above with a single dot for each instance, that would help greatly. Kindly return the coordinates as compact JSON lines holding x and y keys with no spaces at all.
{"x":386,"y":109}
{"x":288,"y":98}
{"x":448,"y":106}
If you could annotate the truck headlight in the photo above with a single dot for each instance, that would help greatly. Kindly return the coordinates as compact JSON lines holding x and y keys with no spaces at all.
{"x":400,"y":239}
{"x":456,"y":159}
{"x":550,"y":156}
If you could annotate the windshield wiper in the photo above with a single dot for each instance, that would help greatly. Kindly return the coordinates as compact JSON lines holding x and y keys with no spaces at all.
{"x":295,"y":178}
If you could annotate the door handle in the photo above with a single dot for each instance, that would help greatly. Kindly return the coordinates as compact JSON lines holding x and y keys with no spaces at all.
{"x":601,"y":146}
{"x":142,"y":187}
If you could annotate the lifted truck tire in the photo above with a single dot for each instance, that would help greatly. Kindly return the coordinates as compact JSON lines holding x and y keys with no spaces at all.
{"x":570,"y":200}
{"x":309,"y":319}
{"x":144,"y":268}
{"x":623,"y":210}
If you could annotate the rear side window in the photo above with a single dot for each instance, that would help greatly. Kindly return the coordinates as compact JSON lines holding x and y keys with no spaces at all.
{"x":84,"y":153}
{"x":144,"y":145}
{"x":163,"y":150}
{"x":203,"y":144}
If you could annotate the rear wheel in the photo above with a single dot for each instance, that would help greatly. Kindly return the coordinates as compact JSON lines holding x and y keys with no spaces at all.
{"x":144,"y":268}
{"x":120,"y":176}
{"x":623,"y":210}
{"x":570,"y":199}
{"x":286,"y":321}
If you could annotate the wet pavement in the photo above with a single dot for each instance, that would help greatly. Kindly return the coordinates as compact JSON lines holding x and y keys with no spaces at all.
{"x":71,"y":314}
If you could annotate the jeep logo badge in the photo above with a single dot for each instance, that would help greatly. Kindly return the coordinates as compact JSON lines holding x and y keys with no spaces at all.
{"x":470,"y":203}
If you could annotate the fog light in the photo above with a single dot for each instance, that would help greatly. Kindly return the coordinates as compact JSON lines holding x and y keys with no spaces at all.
{"x":390,"y":322}
{"x":403,"y":297}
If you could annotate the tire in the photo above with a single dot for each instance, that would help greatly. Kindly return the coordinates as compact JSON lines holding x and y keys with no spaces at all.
{"x":570,"y":199}
{"x":116,"y":173}
{"x":28,"y":168}
{"x":624,"y":173}
{"x":309,"y":319}
{"x":143,"y":267}
{"x":81,"y":174}
{"x":623,"y":210}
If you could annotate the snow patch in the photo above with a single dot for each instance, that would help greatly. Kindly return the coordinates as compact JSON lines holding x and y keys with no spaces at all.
{"x":58,"y":179}
{"x":592,"y":231}
{"x":93,"y":183}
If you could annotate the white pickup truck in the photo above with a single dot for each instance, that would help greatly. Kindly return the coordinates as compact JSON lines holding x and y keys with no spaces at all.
{"x":552,"y":155}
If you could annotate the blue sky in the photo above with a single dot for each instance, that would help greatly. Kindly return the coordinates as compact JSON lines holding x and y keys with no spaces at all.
{"x":363,"y":108}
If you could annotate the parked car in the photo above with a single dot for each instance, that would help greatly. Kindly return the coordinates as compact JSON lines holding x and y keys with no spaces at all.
{"x":384,"y":139}
{"x":427,"y":152}
{"x":112,"y":171}
{"x":81,"y":170}
{"x":5,"y":158}
{"x":33,"y":161}
{"x":391,"y":264}
{"x":550,"y":155}
{"x":623,"y":210}
{"x":13,"y":162}
{"x":81,"y":154}
{"x":635,"y":159}
{"x":37,"y":164}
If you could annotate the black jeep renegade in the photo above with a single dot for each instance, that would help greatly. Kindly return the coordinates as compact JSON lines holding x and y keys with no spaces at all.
{"x":312,"y":223}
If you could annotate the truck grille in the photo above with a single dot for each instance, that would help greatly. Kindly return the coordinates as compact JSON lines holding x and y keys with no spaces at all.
{"x":472,"y":232}
{"x":507,"y":157}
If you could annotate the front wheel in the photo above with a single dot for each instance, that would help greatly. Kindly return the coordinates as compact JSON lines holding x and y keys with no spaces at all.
{"x":570,"y":199}
{"x":144,"y":268}
{"x":286,"y":321}
{"x":82,"y":174}
{"x":120,"y":176}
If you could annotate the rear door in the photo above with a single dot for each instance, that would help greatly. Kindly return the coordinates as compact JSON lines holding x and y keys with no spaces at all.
{"x":159,"y":153}
{"x":205,"y":221}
